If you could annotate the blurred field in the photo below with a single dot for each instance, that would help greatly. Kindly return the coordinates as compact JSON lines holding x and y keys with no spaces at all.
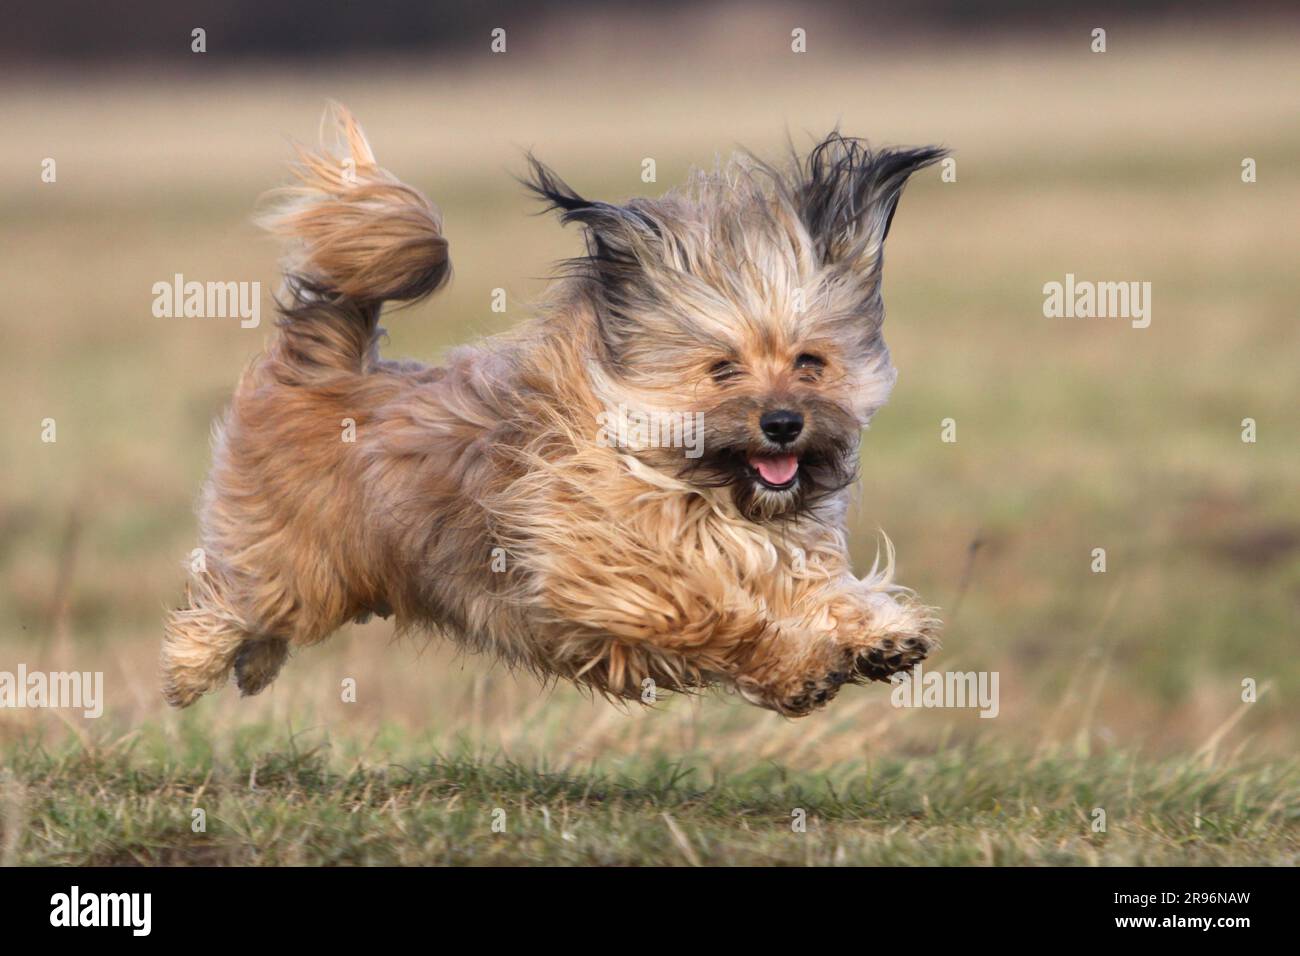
{"x":1118,"y":690}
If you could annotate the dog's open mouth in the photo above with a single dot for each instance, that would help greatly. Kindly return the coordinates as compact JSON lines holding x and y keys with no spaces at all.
{"x":775,"y":472}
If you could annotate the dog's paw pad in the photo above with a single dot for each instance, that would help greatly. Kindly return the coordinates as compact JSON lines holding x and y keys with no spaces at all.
{"x":816,"y":693}
{"x":889,"y":656}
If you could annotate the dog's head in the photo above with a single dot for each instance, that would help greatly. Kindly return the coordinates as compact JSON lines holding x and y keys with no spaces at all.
{"x":737,"y":321}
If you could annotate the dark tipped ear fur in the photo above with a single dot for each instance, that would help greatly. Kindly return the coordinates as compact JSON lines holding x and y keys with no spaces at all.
{"x":554,"y":191}
{"x":847,"y":194}
{"x":613,"y":232}
{"x":620,"y":240}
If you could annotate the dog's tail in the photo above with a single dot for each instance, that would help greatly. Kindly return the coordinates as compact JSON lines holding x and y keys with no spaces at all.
{"x":358,"y":237}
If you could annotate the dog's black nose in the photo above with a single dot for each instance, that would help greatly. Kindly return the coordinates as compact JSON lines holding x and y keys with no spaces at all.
{"x":781,"y":426}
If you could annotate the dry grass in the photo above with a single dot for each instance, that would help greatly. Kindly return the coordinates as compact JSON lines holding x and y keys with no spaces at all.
{"x":133,"y":803}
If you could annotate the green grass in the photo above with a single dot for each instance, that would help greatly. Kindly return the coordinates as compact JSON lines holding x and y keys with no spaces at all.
{"x":958,"y":806}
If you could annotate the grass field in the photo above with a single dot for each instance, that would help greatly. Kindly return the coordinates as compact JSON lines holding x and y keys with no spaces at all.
{"x":1120,"y":691}
{"x":271,"y":803}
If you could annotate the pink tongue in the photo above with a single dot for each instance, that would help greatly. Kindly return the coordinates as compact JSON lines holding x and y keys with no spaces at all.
{"x":775,"y":469}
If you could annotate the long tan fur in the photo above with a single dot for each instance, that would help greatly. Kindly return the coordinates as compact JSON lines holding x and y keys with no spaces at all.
{"x":482,"y":499}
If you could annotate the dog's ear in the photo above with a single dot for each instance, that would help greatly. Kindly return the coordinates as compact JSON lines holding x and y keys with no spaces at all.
{"x":846,"y":194}
{"x":618,"y":237}
{"x":624,"y":245}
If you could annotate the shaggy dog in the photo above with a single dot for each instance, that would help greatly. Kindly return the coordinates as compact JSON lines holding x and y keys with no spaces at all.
{"x":521,"y":498}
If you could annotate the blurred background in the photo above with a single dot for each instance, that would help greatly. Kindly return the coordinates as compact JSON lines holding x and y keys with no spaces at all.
{"x":1071,"y":434}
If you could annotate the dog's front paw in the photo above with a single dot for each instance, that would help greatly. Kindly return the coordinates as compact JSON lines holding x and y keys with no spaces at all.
{"x":900,"y":635}
{"x":815,"y":692}
{"x":890,"y":656}
{"x":877,"y":658}
{"x":872,"y":638}
{"x":799,"y":680}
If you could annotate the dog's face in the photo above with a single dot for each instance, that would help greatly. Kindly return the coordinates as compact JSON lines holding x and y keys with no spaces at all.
{"x":737,"y":321}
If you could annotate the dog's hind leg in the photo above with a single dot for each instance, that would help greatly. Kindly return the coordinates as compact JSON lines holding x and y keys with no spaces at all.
{"x":201,"y":642}
{"x":258,"y":662}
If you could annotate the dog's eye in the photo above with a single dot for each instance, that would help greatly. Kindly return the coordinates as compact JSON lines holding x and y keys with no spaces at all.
{"x":807,"y":362}
{"x":723,"y":370}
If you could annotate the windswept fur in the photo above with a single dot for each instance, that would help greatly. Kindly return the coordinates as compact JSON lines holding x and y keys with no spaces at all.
{"x":485,"y":498}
